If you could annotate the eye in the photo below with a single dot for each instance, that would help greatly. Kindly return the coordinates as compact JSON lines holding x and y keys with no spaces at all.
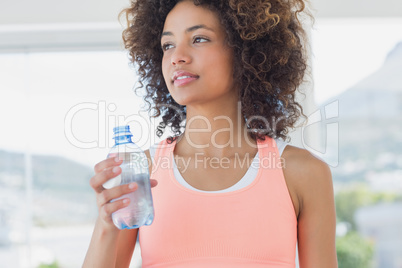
{"x":166,"y":46}
{"x":200,"y":39}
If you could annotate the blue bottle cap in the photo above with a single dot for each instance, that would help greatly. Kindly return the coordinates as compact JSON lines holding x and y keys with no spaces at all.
{"x":122,"y":130}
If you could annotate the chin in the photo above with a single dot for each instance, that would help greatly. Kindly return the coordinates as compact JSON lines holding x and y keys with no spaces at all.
{"x":183,"y":100}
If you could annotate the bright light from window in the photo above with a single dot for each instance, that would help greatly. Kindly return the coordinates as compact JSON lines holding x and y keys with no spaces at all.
{"x":348,"y":50}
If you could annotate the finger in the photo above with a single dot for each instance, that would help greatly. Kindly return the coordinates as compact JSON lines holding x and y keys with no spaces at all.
{"x":153,"y":182}
{"x":109,"y":162}
{"x":111,"y":155}
{"x":97,"y":181}
{"x":108,"y":209}
{"x":107,"y":195}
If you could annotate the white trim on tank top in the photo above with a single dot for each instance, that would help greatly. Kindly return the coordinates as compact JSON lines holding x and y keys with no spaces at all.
{"x":243,"y":182}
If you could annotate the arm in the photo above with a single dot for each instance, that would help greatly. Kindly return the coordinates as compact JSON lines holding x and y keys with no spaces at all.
{"x":103,"y":248}
{"x":312,"y":180}
{"x":109,"y":246}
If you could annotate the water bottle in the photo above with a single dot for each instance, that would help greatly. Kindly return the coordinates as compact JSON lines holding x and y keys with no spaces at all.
{"x":140,"y":210}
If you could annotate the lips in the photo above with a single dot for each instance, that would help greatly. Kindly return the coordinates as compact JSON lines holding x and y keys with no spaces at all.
{"x":182,"y":77}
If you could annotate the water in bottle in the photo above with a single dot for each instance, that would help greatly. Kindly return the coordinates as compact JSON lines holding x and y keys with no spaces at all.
{"x":140,"y":211}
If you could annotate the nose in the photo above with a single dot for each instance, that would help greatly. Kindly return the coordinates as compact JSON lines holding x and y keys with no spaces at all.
{"x":180,"y":55}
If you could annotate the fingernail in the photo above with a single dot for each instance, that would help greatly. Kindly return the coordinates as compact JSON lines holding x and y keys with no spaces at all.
{"x":126,"y":200}
{"x":117,"y":159}
{"x":116,"y":169}
{"x":132,"y":185}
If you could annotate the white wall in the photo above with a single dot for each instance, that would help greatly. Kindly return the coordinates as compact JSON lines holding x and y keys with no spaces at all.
{"x":92,"y":24}
{"x":44,"y":25}
{"x":56,"y":11}
{"x":357,"y":8}
{"x":72,"y":11}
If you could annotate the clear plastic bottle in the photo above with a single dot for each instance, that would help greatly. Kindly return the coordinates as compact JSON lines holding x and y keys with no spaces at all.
{"x":140,"y":211}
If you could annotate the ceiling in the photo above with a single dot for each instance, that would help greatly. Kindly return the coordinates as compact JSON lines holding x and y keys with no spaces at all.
{"x":93,"y":24}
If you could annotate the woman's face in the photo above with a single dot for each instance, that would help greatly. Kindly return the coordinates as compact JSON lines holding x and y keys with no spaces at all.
{"x":197,"y":65}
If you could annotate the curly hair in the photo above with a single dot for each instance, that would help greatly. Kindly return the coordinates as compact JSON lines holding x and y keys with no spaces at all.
{"x":270,"y":60}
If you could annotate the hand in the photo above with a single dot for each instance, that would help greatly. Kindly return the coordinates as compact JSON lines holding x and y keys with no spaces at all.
{"x":104,"y":171}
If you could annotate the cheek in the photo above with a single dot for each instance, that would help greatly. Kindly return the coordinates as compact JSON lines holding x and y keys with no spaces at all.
{"x":223,"y":70}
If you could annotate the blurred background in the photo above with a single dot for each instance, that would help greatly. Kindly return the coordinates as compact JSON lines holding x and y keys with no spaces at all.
{"x":65,"y":82}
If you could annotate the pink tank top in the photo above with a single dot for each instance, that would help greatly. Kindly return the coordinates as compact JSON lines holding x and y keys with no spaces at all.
{"x":254,"y":226}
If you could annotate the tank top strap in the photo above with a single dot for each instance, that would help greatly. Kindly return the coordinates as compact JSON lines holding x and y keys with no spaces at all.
{"x":268,"y":149}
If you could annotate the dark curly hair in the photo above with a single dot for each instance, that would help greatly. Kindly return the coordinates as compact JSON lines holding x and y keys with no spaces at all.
{"x":270,"y":60}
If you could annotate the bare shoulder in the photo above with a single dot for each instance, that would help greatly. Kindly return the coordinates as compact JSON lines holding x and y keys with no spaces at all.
{"x":307,"y":176}
{"x":309,"y":182}
{"x":305,"y":164}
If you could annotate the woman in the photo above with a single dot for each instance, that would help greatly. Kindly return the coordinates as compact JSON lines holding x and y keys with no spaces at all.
{"x":233,"y":194}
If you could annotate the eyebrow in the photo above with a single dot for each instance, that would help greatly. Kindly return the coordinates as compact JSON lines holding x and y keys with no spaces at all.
{"x":191,"y":29}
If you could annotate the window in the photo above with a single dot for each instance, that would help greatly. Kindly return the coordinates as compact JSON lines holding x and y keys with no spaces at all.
{"x":357,"y":66}
{"x":58,"y":109}
{"x":57,"y":114}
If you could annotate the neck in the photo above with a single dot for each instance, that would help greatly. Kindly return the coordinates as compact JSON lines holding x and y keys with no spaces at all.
{"x":216,"y":131}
